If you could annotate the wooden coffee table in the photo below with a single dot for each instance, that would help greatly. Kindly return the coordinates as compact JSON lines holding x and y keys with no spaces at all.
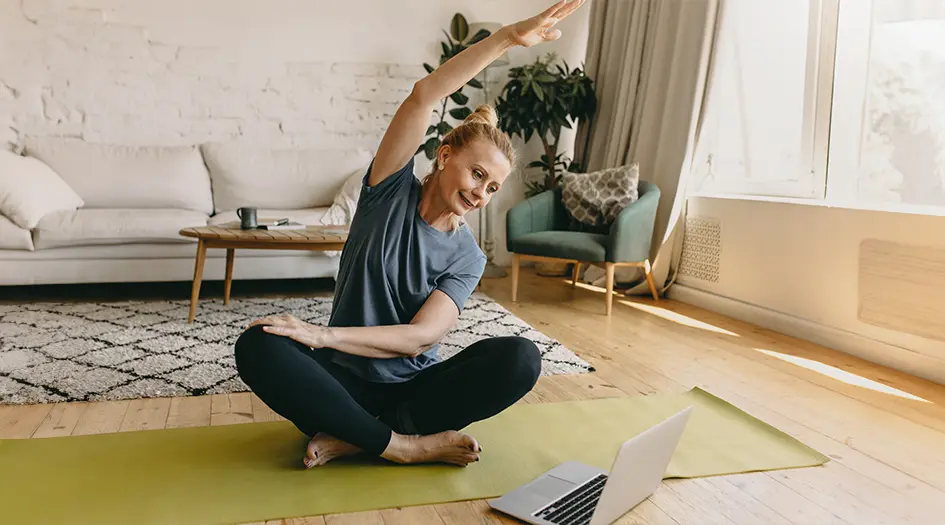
{"x":231,"y":237}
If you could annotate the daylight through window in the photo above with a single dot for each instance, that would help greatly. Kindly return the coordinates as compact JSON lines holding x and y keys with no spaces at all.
{"x":829,"y":100}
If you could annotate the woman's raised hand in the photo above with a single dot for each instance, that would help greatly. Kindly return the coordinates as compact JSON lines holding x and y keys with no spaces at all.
{"x":540,"y":28}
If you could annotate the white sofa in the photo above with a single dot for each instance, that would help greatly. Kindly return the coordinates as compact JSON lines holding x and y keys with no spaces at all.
{"x":115,"y":212}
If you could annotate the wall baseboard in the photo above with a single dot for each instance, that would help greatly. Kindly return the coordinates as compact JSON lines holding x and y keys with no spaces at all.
{"x":851,"y":343}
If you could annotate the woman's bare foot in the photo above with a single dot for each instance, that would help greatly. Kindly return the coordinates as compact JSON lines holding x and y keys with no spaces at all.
{"x":446,"y":447}
{"x":324,"y":448}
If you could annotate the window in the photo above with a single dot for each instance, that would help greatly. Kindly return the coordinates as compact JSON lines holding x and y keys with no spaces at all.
{"x":888,"y":142}
{"x":840,"y":101}
{"x":761,"y":110}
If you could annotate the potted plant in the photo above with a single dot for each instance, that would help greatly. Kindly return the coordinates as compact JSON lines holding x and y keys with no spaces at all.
{"x":457,"y":40}
{"x":540,"y":100}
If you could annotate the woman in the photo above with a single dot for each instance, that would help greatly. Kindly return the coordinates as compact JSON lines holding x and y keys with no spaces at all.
{"x":371,"y":380}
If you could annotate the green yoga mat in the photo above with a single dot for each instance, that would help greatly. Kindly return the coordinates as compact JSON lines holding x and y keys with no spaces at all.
{"x":253,"y":472}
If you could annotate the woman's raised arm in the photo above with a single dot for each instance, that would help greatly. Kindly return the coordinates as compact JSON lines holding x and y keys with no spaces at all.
{"x":408,"y":127}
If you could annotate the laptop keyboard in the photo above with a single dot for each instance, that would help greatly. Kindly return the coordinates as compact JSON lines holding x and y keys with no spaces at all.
{"x":576,"y":507}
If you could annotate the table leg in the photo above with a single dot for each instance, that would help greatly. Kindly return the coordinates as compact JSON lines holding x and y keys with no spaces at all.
{"x":198,"y":277}
{"x":229,"y":275}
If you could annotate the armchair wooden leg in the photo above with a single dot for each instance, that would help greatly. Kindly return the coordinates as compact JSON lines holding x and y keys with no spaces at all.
{"x":574,"y":275}
{"x":516,"y":260}
{"x":610,"y":286}
{"x":649,"y":279}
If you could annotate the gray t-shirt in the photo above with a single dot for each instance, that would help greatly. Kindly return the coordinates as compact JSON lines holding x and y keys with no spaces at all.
{"x":391,"y":263}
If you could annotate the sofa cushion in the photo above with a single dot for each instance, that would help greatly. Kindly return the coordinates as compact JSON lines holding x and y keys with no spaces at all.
{"x":311,"y":216}
{"x":98,"y":226}
{"x":12,"y":237}
{"x":278,"y":178}
{"x":596,"y":198}
{"x":29,"y":190}
{"x":345,"y":204}
{"x":585,"y":247}
{"x":112,"y":176}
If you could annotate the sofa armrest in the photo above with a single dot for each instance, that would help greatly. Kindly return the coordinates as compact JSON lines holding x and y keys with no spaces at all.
{"x":535,"y":214}
{"x":631,"y":234}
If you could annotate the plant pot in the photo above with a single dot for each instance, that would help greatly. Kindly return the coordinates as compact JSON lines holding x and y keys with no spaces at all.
{"x":552,"y":269}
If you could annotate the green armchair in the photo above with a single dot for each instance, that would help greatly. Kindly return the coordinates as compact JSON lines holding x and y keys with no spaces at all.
{"x":537,"y":229}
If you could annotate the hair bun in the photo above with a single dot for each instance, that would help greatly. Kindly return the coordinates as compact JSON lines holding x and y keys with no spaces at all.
{"x":484,"y":114}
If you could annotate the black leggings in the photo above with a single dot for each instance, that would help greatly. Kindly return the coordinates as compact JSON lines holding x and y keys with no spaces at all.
{"x":318,"y":395}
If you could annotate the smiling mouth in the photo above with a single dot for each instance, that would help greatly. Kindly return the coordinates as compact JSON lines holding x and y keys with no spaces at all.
{"x":466,"y":201}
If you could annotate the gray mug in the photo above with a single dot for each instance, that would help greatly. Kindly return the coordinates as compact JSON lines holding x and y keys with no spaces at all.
{"x":247,"y":217}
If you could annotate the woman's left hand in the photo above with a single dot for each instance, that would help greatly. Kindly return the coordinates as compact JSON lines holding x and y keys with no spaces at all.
{"x":540,"y":28}
{"x":295,"y":329}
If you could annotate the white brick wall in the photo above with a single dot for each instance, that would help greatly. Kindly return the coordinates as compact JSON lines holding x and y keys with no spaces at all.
{"x":281,"y":73}
{"x":76,"y":74}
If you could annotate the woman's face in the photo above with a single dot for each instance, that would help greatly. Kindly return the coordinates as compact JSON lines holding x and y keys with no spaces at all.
{"x":471,"y":176}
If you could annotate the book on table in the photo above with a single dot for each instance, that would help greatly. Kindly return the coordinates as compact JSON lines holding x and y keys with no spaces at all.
{"x":281,"y":225}
{"x":268,"y":224}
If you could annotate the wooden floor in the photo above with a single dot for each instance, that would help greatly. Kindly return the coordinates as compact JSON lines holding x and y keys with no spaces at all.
{"x":884,"y":430}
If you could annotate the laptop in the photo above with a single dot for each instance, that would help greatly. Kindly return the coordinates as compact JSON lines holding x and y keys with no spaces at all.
{"x":577,"y":494}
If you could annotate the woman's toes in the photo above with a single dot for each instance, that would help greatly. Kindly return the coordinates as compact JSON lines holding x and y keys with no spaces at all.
{"x":471,"y":443}
{"x":463,"y":459}
{"x":311,"y":454}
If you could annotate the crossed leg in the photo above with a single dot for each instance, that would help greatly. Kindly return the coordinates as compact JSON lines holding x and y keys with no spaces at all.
{"x":344,"y":414}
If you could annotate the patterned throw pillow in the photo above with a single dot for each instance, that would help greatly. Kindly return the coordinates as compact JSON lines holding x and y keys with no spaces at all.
{"x":597,"y":198}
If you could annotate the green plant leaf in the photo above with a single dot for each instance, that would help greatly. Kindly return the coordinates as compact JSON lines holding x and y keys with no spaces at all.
{"x":460,"y":113}
{"x":534,"y":188}
{"x":475,"y":83}
{"x":543,"y":98}
{"x":430,"y":147}
{"x":431,"y":129}
{"x":444,"y":127}
{"x":428,"y":67}
{"x":459,"y":98}
{"x":447,"y":52}
{"x":479,"y":36}
{"x":459,"y":28}
{"x":536,"y":164}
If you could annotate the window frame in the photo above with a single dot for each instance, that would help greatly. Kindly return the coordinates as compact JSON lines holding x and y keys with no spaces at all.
{"x":811,"y":176}
{"x":839,"y":40}
{"x":854,"y":40}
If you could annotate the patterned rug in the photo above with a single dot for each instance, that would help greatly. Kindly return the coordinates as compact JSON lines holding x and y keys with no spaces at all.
{"x":51,"y":352}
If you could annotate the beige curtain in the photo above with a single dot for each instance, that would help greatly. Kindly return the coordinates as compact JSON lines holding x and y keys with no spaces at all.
{"x":650,"y":63}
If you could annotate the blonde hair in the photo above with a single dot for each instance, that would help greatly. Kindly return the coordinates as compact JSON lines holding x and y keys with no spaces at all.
{"x":481,"y":124}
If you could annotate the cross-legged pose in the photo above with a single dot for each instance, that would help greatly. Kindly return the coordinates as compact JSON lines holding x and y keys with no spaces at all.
{"x":371,"y":381}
